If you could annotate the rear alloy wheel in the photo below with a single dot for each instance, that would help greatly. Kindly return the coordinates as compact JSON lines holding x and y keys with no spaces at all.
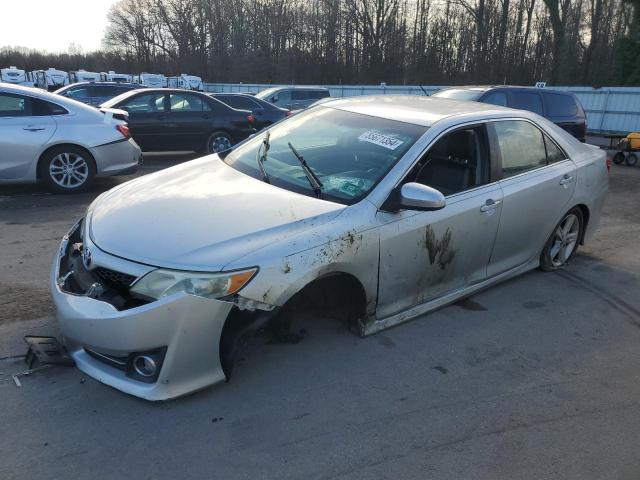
{"x":632,"y":159}
{"x":618,"y":158}
{"x":67,"y":169}
{"x":219,"y":142}
{"x":563,"y":243}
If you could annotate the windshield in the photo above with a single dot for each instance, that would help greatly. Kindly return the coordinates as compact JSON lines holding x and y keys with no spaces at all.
{"x":348,"y":152}
{"x":459,"y":94}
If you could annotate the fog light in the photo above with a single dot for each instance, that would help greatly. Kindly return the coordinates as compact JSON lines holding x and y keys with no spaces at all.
{"x":145,"y":366}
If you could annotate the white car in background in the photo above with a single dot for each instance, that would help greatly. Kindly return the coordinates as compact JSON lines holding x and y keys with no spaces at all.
{"x":59,"y":141}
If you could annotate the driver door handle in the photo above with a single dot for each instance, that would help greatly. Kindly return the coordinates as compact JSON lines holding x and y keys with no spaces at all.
{"x":490,"y":205}
{"x":566,"y":179}
{"x":33,"y":128}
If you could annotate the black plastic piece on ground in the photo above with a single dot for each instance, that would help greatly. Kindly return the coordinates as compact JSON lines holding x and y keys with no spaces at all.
{"x":46,"y":350}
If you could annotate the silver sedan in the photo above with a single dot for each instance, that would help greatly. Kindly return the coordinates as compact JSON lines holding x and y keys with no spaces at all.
{"x":394,"y":205}
{"x":60,"y":142}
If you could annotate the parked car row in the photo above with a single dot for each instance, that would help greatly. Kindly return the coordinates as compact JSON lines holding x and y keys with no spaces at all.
{"x":162,"y":119}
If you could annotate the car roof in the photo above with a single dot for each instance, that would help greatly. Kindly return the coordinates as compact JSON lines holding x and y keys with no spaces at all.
{"x":424,"y":111}
{"x":485,"y":88}
{"x":107,"y":84}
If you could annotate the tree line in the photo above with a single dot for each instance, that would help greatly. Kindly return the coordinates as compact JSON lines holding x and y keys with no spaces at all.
{"x":437,"y":42}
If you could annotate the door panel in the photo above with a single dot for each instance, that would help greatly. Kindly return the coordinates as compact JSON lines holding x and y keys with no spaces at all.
{"x":21,"y":135}
{"x":190,"y":120}
{"x":537,"y":192}
{"x":532,"y":206}
{"x":426,"y":254}
{"x":148,"y":121}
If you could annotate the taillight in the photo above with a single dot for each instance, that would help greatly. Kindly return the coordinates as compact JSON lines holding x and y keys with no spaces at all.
{"x":251,"y":119}
{"x":124,"y":130}
{"x":289,"y":113}
{"x":608,"y":162}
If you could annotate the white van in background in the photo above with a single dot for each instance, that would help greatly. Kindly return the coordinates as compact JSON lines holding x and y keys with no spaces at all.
{"x":188,"y":82}
{"x":83,"y":76}
{"x":112,"y":76}
{"x":154,"y":80}
{"x":14,"y":75}
{"x":50,"y":79}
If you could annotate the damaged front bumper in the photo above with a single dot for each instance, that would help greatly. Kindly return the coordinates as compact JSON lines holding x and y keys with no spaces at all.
{"x":156,"y":351}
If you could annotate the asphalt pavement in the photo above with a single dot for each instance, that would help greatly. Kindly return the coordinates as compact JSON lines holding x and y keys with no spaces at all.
{"x":536,"y":378}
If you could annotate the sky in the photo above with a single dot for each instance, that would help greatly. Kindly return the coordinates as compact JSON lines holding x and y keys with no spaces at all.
{"x":51,"y":25}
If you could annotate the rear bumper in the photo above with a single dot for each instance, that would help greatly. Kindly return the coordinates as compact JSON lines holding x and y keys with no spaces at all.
{"x":188,"y":327}
{"x":117,"y":158}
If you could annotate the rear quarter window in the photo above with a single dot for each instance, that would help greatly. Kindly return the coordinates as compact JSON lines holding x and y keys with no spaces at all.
{"x":559,"y":105}
{"x":44,"y":108}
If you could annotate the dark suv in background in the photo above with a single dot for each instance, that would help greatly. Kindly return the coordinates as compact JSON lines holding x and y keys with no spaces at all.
{"x":96,"y":93}
{"x":562,"y":108}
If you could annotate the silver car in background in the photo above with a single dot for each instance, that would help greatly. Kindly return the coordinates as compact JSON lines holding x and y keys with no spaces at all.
{"x":395,"y":205}
{"x":60,"y":142}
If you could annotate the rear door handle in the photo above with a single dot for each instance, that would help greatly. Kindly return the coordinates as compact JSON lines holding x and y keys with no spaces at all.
{"x":490,"y":205}
{"x":566,"y":180}
{"x":33,"y":129}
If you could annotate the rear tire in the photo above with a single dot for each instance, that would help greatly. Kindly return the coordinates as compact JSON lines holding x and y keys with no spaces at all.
{"x":67,"y":169}
{"x":563,"y":242}
{"x":219,"y":142}
{"x":632,"y":159}
{"x":618,"y":158}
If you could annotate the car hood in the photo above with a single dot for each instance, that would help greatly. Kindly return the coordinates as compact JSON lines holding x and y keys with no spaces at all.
{"x":200,"y":215}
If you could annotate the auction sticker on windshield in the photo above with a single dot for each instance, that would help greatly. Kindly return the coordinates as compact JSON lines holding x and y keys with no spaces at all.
{"x":380,"y":139}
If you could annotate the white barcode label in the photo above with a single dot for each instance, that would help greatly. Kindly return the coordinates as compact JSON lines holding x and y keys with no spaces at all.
{"x":380,"y":139}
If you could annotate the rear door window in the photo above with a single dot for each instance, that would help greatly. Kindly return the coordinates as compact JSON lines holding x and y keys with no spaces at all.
{"x":559,"y":105}
{"x":14,"y":105}
{"x":530,"y":101}
{"x":180,"y":102}
{"x":522,"y":147}
{"x":145,"y":103}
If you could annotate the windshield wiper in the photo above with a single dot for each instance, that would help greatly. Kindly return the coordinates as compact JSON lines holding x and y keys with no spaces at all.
{"x":261,"y":157}
{"x":315,"y":182}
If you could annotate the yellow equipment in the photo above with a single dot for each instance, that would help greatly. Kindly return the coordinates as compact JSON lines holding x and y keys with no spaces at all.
{"x":631,"y":143}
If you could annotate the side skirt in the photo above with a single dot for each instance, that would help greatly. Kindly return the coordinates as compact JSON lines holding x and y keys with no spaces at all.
{"x":447,"y":299}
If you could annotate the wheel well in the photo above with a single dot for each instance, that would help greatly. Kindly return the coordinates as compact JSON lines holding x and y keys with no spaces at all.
{"x":585,"y":216}
{"x":54,"y":147}
{"x":339,"y":295}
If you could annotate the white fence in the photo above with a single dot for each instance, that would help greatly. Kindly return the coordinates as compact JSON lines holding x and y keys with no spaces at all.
{"x":610,"y":110}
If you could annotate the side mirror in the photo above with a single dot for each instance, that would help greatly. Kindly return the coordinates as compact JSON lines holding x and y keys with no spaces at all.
{"x":415,"y":196}
{"x":274,"y":99}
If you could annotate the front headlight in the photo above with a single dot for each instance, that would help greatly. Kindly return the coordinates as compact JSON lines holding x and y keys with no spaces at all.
{"x":162,"y":283}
